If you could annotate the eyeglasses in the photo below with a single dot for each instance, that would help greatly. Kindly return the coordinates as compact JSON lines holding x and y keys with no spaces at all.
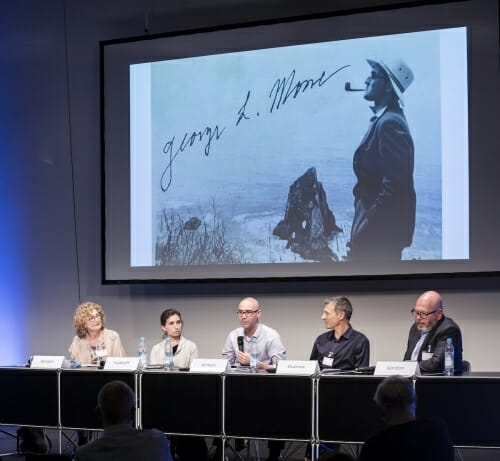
{"x":423,"y":315}
{"x":94,"y":317}
{"x":374,"y":75}
{"x":246,"y":313}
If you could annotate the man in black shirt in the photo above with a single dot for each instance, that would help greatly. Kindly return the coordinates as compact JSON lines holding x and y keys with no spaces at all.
{"x":342,"y":348}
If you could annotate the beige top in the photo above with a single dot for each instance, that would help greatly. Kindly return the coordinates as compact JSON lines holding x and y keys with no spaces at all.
{"x":81,"y":351}
{"x":186,"y":352}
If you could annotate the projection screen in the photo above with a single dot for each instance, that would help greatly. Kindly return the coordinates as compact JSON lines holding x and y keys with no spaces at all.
{"x":259,"y":151}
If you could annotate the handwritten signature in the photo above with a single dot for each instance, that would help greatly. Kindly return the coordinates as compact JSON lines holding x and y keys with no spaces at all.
{"x":207,"y":136}
{"x":285,"y":87}
{"x":282,"y":90}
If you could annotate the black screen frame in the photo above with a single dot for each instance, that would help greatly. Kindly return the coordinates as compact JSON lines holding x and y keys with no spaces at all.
{"x":427,"y":268}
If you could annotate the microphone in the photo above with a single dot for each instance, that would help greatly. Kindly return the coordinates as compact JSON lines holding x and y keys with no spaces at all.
{"x":348,"y":87}
{"x":365,"y":370}
{"x":240,"y":344}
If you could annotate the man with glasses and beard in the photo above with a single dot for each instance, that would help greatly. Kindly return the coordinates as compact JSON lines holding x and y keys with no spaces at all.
{"x":428,"y":335}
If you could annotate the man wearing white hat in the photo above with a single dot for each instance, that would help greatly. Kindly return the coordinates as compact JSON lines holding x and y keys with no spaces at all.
{"x":384,"y":195}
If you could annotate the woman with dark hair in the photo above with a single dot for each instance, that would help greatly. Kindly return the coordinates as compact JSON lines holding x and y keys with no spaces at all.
{"x":184,"y":351}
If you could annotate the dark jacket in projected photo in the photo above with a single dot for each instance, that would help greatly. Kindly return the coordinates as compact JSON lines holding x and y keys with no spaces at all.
{"x":431,"y":355}
{"x":384,"y":195}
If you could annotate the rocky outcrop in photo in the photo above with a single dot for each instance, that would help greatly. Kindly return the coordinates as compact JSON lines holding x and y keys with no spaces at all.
{"x":309,"y":223}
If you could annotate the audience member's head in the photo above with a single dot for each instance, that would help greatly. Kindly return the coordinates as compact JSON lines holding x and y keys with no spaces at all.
{"x":395,"y":396}
{"x":116,"y":403}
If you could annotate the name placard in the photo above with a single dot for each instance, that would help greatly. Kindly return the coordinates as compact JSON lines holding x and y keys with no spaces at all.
{"x":209,"y":365}
{"x":406,"y":368}
{"x":50,"y":362}
{"x":122,"y":363}
{"x":297,"y":367}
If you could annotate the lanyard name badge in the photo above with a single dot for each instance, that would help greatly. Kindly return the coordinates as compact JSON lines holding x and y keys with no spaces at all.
{"x":328,"y":360}
{"x":101,"y":352}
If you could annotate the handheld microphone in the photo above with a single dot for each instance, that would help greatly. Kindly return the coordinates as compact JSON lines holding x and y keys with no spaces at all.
{"x":348,"y":87}
{"x":240,"y":344}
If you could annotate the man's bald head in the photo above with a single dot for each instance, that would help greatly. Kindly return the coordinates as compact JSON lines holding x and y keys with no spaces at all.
{"x":428,"y":311}
{"x":432,"y":299}
{"x":250,"y":303}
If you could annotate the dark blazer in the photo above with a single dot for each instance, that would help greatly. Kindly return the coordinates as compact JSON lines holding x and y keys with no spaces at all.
{"x":418,"y":440}
{"x":435,"y":343}
{"x":384,"y":195}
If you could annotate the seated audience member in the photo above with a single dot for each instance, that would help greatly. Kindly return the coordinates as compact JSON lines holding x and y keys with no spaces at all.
{"x":93,"y":342}
{"x":120,"y":440}
{"x":31,"y":440}
{"x":405,"y":438}
{"x":342,"y":348}
{"x":428,"y":335}
{"x":184,"y":350}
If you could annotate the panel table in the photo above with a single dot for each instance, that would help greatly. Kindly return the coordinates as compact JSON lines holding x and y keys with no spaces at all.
{"x":29,"y":397}
{"x":78,"y":394}
{"x":330,"y":408}
{"x":182,"y":403}
{"x":269,"y":406}
{"x":470,"y":405}
{"x":346,"y":411}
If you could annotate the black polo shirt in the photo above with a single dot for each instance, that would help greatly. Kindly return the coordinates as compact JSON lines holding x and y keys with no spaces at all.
{"x":350,"y":351}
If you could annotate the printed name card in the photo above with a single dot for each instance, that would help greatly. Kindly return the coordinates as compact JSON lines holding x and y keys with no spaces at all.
{"x":50,"y":362}
{"x":122,"y":363}
{"x":297,"y":367}
{"x":209,"y":365}
{"x":406,"y":368}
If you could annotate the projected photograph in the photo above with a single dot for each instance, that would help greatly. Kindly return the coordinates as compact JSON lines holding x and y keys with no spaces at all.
{"x":325,"y":152}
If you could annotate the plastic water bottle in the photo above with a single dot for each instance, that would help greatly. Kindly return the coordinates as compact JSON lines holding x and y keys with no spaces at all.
{"x":254,"y":355}
{"x":143,"y":354}
{"x":449,"y":358}
{"x":169,"y":361}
